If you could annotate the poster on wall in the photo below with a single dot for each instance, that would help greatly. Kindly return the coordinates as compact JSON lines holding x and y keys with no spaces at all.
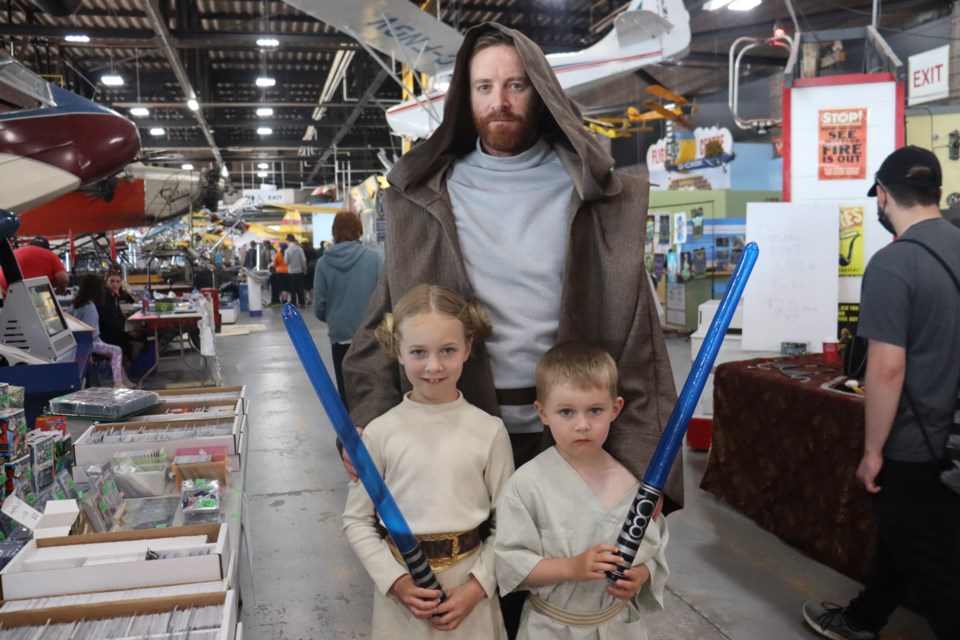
{"x":848,"y":316}
{"x":851,"y":241}
{"x":843,"y":144}
{"x":648,"y":245}
{"x":696,"y":217}
{"x":663,"y":233}
{"x":673,"y":266}
{"x":679,"y":228}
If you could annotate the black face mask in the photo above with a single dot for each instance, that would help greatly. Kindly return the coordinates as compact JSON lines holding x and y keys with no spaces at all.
{"x":885,"y":220}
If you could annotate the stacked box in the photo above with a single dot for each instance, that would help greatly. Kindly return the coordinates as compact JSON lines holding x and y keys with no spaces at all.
{"x":4,"y":395}
{"x":40,"y":445}
{"x":52,"y":423}
{"x":19,"y":474}
{"x":16,"y":396}
{"x":62,"y":451}
{"x":13,"y":434}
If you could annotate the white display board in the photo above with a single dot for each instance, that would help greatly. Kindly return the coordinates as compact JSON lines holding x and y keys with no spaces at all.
{"x":792,"y":293}
{"x":806,"y":104}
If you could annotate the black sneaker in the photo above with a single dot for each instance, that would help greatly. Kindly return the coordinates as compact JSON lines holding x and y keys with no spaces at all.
{"x":827,"y":619}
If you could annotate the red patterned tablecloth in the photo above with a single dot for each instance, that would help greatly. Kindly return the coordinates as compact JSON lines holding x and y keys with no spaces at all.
{"x":784,"y":453}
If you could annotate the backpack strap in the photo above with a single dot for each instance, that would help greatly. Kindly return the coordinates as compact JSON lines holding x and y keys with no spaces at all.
{"x":954,"y":427}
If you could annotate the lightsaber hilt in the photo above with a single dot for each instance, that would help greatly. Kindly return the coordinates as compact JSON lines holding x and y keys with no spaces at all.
{"x":393,"y":521}
{"x":655,"y":477}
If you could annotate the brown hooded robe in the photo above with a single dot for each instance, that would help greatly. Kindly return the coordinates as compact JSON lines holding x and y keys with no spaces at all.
{"x":605,"y":301}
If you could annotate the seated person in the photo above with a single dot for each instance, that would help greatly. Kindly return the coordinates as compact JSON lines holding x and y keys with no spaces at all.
{"x":113,"y":320}
{"x":89,"y":293}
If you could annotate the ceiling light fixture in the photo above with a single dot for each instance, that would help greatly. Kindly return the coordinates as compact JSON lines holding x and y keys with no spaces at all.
{"x":186,"y":166}
{"x":263,"y":165}
{"x":713,"y":5}
{"x":264,"y":131}
{"x":157,"y":131}
{"x":267,"y":43}
{"x":262,"y":174}
{"x":743,"y":5}
{"x":266,"y":81}
{"x":139,"y":112}
{"x":192,"y":104}
{"x":76,"y":37}
{"x":264,"y":112}
{"x":111,"y":80}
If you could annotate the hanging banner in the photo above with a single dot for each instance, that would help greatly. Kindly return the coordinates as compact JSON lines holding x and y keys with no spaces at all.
{"x":851,"y":241}
{"x":843,"y":144}
{"x":679,"y":228}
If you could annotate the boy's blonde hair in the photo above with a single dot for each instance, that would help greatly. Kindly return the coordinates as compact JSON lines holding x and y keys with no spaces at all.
{"x":582,"y":366}
{"x":430,"y":298}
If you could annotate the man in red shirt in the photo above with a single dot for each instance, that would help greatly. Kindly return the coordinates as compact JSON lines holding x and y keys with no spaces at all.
{"x":36,"y":260}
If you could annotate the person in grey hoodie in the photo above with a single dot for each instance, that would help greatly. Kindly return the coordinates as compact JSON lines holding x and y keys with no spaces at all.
{"x":296,"y":270}
{"x":343,"y":282}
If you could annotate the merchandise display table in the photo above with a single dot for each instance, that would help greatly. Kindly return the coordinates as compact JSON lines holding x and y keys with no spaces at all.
{"x":179,"y":322}
{"x":785,"y":451}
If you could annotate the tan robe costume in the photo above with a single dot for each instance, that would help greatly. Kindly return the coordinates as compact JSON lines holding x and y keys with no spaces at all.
{"x":548,"y":511}
{"x":446,"y":466}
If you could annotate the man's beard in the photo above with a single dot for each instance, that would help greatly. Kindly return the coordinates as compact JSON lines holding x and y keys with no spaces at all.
{"x":885,"y":220}
{"x":507,"y":140}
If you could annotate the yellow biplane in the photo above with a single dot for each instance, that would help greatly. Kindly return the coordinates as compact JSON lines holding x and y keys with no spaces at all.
{"x":671,"y":107}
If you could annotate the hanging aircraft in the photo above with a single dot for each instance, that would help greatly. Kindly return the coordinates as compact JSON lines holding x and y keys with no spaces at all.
{"x":53,"y":141}
{"x":647,"y":32}
{"x":672,"y":108}
{"x":142,"y":196}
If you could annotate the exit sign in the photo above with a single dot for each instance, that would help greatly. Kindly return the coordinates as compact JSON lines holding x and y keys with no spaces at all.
{"x":929,"y":75}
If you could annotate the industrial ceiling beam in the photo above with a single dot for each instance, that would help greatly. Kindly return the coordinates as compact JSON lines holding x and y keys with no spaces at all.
{"x":345,"y":129}
{"x":181,"y":39}
{"x":160,"y":26}
{"x":245,"y":105}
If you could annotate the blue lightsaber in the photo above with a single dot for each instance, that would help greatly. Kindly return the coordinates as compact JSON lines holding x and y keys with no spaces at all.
{"x":655,"y":477}
{"x":386,"y":506}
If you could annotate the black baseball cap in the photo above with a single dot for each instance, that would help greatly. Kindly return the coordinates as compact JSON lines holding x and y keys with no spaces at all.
{"x":895,"y":168}
{"x":40,"y":241}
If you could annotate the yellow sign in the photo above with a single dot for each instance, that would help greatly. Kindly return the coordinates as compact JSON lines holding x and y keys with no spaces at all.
{"x":851,"y":241}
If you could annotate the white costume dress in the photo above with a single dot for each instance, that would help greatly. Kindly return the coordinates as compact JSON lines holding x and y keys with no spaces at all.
{"x":446,"y":466}
{"x":549,"y":511}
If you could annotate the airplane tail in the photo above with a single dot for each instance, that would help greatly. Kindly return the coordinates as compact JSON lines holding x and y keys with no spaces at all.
{"x":647,"y":21}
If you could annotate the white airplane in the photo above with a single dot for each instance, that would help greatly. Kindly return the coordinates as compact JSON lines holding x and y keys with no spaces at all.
{"x":647,"y":32}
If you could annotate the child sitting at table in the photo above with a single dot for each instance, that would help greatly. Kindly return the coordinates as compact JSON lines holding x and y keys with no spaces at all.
{"x":89,"y":294}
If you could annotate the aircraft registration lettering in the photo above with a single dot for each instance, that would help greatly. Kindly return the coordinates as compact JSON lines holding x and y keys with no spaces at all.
{"x":409,"y":36}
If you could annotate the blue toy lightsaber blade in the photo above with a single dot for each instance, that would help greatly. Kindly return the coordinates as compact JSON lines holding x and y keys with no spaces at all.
{"x":386,"y":506}
{"x":655,"y":477}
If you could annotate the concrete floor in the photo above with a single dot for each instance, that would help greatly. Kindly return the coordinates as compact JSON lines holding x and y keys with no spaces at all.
{"x":729,"y":578}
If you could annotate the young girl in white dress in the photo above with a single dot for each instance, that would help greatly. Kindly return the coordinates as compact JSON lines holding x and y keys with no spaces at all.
{"x":561,"y":513}
{"x":446,"y":463}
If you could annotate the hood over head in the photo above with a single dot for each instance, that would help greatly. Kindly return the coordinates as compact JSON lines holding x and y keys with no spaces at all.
{"x":343,"y":255}
{"x":457,"y":135}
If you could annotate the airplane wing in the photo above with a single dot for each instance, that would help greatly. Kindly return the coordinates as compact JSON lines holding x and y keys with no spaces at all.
{"x":636,"y":26}
{"x":304,"y":208}
{"x":396,"y":28}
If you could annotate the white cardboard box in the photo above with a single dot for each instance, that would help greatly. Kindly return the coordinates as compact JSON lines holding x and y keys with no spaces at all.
{"x":205,"y":393}
{"x":228,"y":315}
{"x":99,"y":610}
{"x":86,"y":453}
{"x":16,"y":583}
{"x":210,"y":409}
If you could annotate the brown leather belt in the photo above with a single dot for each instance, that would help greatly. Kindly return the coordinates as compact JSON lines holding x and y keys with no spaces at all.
{"x":516,"y":397}
{"x":442,"y":550}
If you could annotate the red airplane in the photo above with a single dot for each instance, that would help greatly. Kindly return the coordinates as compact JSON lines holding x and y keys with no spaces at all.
{"x":53,"y":141}
{"x":142,"y":196}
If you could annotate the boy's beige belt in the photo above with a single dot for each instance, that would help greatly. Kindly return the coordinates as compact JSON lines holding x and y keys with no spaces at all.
{"x":575,"y":618}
